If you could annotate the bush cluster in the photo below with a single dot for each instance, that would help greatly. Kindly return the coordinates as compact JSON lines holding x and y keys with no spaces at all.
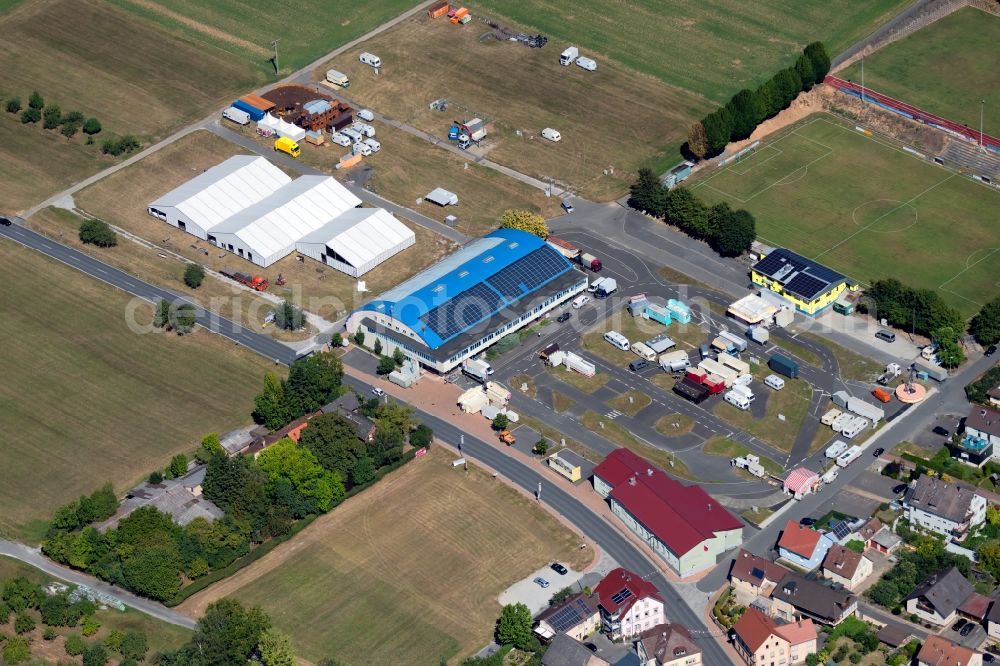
{"x":52,"y":116}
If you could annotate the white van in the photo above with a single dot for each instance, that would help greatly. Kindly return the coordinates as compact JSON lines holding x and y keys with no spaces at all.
{"x":366,"y":115}
{"x":736,"y":400}
{"x":341,"y":139}
{"x":337,"y":78}
{"x":370,"y":59}
{"x":364,"y":129}
{"x":580,"y":301}
{"x":617,"y":339}
{"x":362,"y":148}
{"x":551,"y":134}
{"x":643,"y":350}
{"x":352,"y":134}
{"x":743,"y":380}
{"x":373,"y":144}
{"x":775,"y":382}
{"x":592,"y":287}
{"x":238,"y":116}
{"x":743,"y":390}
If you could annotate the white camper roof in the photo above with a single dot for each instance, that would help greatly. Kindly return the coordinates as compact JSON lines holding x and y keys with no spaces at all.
{"x":224,"y":190}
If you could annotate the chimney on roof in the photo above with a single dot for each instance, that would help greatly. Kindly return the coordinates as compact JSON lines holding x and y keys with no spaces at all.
{"x":709,"y":506}
{"x":649,"y":471}
{"x":631,"y":480}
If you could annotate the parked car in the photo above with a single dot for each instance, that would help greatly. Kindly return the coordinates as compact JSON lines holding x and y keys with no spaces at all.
{"x":565,"y":316}
{"x":960,"y":624}
{"x":877,"y":452}
{"x":901,"y":488}
{"x":541,"y":582}
{"x":988,"y":658}
{"x":559,"y":569}
{"x":992,"y":349}
{"x":967,"y":629}
{"x":376,"y":391}
{"x":807,"y":521}
{"x":944,"y":432}
{"x":6,"y":223}
{"x":638,"y":364}
{"x":569,"y":208}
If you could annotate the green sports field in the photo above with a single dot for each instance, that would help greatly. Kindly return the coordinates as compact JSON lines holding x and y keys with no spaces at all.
{"x":867,"y":209}
{"x":712,"y":48}
{"x":914,"y":71}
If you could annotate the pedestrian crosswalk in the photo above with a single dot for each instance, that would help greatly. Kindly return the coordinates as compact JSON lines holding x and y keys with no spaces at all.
{"x":613,"y":414}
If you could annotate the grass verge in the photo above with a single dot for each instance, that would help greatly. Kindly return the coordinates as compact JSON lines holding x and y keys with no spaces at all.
{"x":618,"y":434}
{"x":727,"y":448}
{"x":630,"y":403}
{"x":674,"y":425}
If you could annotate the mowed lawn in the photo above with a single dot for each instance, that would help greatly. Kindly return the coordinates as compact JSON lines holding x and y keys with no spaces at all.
{"x":408,"y":571}
{"x":913,"y":69}
{"x":612,"y":120}
{"x":712,"y":48}
{"x":85,"y":400}
{"x":305,"y":29}
{"x":868,"y":209}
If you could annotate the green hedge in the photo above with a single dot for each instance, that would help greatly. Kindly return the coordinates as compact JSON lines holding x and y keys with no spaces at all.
{"x":269,"y":545}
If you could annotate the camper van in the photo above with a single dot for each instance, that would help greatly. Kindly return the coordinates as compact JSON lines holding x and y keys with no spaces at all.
{"x":737,"y":400}
{"x":370,"y":59}
{"x":286,"y":145}
{"x":362,"y":148}
{"x":775,"y":382}
{"x":238,"y":116}
{"x":675,"y":361}
{"x":337,"y":78}
{"x":617,"y":339}
{"x":643,"y":350}
{"x":366,"y":115}
{"x":551,"y":134}
{"x":586,"y":63}
{"x":341,"y":139}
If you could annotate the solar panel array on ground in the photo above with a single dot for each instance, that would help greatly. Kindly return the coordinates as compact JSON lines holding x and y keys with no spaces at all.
{"x":487,"y":298}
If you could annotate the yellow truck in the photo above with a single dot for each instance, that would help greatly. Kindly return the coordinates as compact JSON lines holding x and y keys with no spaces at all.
{"x":286,"y":145}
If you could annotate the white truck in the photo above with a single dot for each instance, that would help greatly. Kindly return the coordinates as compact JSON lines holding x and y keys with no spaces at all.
{"x":480,"y":370}
{"x":593,"y":286}
{"x":835,"y":449}
{"x":238,"y":116}
{"x":607,"y":287}
{"x":567,"y":57}
{"x":849,"y":456}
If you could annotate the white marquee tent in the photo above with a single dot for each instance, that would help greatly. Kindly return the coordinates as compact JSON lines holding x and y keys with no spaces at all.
{"x":357,"y":240}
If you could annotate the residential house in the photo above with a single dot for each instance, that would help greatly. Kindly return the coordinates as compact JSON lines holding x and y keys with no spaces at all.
{"x":951,"y":509}
{"x":938,"y":651}
{"x":802,"y":546}
{"x":760,"y":641}
{"x":347,"y":407}
{"x":993,"y":619}
{"x":994,"y":396}
{"x":878,"y":537}
{"x":753,"y":577}
{"x":667,"y":645}
{"x":800,"y":482}
{"x":983,"y":425}
{"x":567,"y":651}
{"x":292,"y":431}
{"x":894,"y":637}
{"x":797,"y":597}
{"x":846,"y":567}
{"x":179,"y":498}
{"x":577,"y":616}
{"x":628,"y":604}
{"x":682,"y":524}
{"x":937,"y":599}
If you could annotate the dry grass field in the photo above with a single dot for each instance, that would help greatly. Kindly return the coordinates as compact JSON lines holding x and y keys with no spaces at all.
{"x":86,"y":400}
{"x":417,"y":561}
{"x":614,"y":118}
{"x":122,"y":197}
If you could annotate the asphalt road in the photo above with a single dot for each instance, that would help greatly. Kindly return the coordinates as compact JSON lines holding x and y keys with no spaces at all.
{"x":595,"y":528}
{"x":81,"y":261}
{"x":34,"y":557}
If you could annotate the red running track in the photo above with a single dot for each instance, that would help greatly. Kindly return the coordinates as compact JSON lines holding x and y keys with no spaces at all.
{"x":919,"y":114}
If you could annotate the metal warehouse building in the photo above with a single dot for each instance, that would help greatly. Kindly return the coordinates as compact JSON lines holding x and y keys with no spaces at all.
{"x":248,"y":206}
{"x":490,"y":288}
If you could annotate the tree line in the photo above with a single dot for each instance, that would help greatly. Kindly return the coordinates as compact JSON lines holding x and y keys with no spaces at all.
{"x":52,"y":117}
{"x":749,"y":108}
{"x":33,"y":609}
{"x":921,"y":310}
{"x":729,"y":232}
{"x":261,"y":498}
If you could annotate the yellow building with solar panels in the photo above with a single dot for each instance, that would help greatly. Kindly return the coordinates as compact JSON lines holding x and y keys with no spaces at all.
{"x":809,"y":286}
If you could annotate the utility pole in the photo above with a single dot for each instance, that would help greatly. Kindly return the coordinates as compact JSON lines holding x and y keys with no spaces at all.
{"x":862,"y":77}
{"x":982,"y":108}
{"x":274,"y":45}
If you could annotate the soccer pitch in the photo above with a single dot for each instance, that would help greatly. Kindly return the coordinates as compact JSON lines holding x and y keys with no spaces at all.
{"x":868,"y":209}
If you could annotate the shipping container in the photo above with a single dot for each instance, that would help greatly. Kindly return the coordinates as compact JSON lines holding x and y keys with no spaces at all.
{"x":680,"y":311}
{"x":254,"y":113}
{"x":696,"y":375}
{"x":715,"y":384}
{"x":438,"y":9}
{"x":759,"y":334}
{"x":688,"y":389}
{"x":784,"y":366}
{"x":938,"y":375}
{"x":657,"y":313}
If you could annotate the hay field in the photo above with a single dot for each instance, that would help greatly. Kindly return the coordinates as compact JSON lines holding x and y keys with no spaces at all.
{"x":85,"y":400}
{"x":417,"y":562}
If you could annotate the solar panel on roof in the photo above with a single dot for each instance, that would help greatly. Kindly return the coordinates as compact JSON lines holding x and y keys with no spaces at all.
{"x":529,"y":273}
{"x":806,"y":286}
{"x":619,"y":597}
{"x":757,"y":573}
{"x":841,"y":530}
{"x":570,"y":616}
{"x":771,"y":264}
{"x":465,"y":310}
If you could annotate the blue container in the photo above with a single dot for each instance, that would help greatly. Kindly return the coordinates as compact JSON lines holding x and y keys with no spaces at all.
{"x":254,"y":113}
{"x":453,"y":133}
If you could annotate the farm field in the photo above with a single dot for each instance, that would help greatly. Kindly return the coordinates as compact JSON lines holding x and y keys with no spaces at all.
{"x":912,"y":69}
{"x":159,"y":635}
{"x":518,"y":89}
{"x":78,"y":402}
{"x":712,"y":49}
{"x":121,"y":199}
{"x":306,"y":30}
{"x":867,"y":209}
{"x":418,"y":560}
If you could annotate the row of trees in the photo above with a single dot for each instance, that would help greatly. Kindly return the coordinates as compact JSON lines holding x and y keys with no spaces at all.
{"x":32,"y":608}
{"x":748,"y":108}
{"x":923,"y":311}
{"x":312,"y":382}
{"x":52,"y":116}
{"x":729,"y":232}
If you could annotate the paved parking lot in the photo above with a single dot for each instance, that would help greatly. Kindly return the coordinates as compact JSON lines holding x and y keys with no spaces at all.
{"x":532,"y":595}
